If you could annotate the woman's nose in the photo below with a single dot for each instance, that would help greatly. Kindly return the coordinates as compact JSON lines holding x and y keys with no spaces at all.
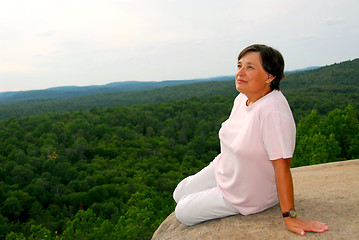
{"x":240,"y":71}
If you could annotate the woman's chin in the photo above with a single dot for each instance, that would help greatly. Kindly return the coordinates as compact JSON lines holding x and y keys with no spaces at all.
{"x":240,"y":88}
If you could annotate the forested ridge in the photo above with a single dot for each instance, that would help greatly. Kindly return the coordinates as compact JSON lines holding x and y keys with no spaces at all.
{"x":76,"y":91}
{"x":105,"y":100}
{"x":109,"y":173}
{"x":323,"y":89}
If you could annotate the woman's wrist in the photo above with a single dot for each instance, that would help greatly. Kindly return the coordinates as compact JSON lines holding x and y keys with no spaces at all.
{"x":292,"y":213}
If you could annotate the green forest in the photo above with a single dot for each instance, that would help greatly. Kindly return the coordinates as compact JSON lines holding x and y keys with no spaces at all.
{"x":322,"y":89}
{"x":109,"y":172}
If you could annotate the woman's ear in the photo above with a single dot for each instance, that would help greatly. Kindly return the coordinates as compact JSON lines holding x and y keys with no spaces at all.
{"x":270,"y":78}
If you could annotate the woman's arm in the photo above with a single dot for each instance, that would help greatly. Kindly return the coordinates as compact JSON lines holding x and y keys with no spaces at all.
{"x":284,"y":183}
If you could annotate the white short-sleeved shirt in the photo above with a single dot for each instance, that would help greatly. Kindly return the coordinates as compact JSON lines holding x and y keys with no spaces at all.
{"x":251,"y":137}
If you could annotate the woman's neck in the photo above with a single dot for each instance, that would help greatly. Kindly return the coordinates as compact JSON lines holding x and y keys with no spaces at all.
{"x":254,"y":98}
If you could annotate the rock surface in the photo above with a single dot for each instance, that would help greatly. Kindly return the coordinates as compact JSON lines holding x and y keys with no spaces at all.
{"x":326,"y":192}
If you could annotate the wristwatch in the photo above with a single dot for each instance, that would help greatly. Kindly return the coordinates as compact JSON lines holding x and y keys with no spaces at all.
{"x":292,"y":213}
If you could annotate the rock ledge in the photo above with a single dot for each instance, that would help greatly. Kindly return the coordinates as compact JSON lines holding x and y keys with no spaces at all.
{"x":326,"y":192}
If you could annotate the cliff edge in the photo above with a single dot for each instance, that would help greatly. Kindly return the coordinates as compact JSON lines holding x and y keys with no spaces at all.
{"x":326,"y":192}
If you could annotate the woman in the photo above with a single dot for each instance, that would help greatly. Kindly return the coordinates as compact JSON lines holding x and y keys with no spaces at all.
{"x":257,"y":143}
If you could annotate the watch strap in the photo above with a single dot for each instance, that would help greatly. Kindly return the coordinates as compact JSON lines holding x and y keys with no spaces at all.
{"x":292,"y":213}
{"x":286,"y":214}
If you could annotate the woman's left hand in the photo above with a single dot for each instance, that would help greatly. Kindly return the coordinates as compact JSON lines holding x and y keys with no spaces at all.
{"x":301,"y":226}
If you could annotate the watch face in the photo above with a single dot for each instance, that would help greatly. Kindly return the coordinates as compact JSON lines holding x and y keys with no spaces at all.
{"x":292,"y":213}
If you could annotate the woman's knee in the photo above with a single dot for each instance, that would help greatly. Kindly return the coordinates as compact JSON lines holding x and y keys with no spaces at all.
{"x":184,"y":215}
{"x":180,"y":190}
{"x":176,"y":194}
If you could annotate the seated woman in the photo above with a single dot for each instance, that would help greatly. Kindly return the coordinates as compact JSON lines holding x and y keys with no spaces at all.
{"x":257,"y":144}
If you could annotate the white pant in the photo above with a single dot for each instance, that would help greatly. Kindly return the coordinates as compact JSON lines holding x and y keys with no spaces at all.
{"x":199,"y":199}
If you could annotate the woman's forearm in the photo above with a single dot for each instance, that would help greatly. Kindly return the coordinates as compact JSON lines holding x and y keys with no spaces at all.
{"x":284,"y":183}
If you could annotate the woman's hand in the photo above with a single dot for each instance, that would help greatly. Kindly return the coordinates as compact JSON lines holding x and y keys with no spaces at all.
{"x":286,"y":198}
{"x":301,"y":226}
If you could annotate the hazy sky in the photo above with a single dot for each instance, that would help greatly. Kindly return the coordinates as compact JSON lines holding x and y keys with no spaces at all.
{"x":47,"y":43}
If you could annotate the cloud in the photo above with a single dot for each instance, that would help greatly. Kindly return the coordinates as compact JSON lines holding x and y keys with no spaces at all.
{"x":304,"y":36}
{"x":46,"y":34}
{"x":18,"y":68}
{"x":332,"y":21}
{"x":93,"y":42}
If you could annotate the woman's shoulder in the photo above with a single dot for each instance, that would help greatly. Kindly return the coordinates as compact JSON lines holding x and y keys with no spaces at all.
{"x":275,"y":98}
{"x":275,"y":102}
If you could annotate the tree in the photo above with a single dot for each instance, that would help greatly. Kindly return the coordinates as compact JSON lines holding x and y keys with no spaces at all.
{"x":22,"y":174}
{"x":40,"y":232}
{"x":12,"y":208}
{"x":4,"y":226}
{"x":86,"y":226}
{"x":344,"y":125}
{"x":321,"y":140}
{"x":353,"y":151}
{"x":140,"y":220}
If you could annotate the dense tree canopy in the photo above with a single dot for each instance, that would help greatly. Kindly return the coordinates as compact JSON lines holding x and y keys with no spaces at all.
{"x":111,"y":172}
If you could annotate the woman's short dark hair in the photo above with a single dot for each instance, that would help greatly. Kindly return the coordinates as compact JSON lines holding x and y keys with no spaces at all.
{"x":272,"y":61}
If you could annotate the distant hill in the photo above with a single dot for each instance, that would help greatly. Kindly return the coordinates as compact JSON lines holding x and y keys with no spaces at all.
{"x":75,"y":91}
{"x":302,"y":70}
{"x":323,"y":89}
{"x":127,"y":86}
{"x":106,"y":100}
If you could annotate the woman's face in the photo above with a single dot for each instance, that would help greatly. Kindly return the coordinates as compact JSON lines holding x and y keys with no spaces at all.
{"x":251,"y":78}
